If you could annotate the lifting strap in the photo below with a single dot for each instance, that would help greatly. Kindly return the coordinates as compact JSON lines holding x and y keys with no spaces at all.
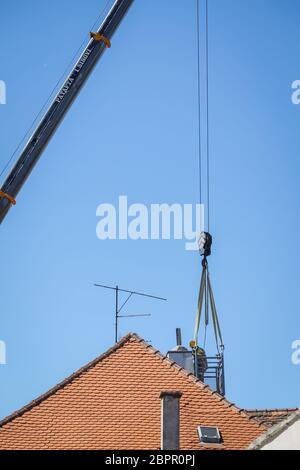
{"x":8,"y":197}
{"x":98,"y":37}
{"x":217,"y":329}
{"x":200,"y":303}
{"x":206,"y":296}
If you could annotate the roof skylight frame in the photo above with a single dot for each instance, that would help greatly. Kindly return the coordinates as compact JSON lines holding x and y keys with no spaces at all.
{"x":205,"y":438}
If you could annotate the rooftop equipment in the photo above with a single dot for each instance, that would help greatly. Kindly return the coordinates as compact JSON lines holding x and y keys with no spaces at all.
{"x":119,"y":308}
{"x":209,"y":369}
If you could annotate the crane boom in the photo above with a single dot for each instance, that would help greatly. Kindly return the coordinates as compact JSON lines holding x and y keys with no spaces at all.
{"x":60,"y":105}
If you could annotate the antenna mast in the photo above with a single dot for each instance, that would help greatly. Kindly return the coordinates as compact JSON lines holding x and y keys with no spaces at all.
{"x":119,"y":308}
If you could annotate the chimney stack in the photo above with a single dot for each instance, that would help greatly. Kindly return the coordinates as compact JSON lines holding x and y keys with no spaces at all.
{"x":178,"y":337}
{"x":170,"y":420}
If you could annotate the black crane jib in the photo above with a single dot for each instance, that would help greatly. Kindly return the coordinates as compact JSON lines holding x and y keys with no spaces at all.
{"x":60,"y":106}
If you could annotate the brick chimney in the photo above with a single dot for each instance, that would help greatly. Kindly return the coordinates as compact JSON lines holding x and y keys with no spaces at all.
{"x":170,"y":420}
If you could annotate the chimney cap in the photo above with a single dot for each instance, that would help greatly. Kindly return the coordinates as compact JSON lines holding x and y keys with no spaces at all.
{"x":173,"y":394}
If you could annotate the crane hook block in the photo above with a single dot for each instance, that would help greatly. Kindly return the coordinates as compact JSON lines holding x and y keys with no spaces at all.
{"x":8,"y":197}
{"x":98,"y":37}
{"x":205,"y":242}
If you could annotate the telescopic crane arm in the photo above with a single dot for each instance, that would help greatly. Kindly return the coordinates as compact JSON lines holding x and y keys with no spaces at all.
{"x":30,"y":155}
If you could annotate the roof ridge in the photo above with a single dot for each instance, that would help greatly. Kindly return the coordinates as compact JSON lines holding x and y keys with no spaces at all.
{"x":270,"y":434}
{"x":69,"y":379}
{"x":268,"y":410}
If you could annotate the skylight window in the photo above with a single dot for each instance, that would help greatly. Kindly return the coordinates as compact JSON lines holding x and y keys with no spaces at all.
{"x":209,"y":435}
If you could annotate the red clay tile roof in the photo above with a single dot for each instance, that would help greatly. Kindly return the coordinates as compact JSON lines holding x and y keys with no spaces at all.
{"x":270,"y":418}
{"x":114,"y":403}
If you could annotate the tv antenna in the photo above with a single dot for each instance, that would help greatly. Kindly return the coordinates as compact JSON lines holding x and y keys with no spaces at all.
{"x":119,"y":308}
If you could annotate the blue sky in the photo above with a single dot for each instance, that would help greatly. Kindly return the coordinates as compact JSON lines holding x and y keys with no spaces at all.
{"x":133,"y":131}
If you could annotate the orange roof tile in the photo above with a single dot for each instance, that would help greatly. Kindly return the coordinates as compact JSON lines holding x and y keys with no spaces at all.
{"x":114,"y":403}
